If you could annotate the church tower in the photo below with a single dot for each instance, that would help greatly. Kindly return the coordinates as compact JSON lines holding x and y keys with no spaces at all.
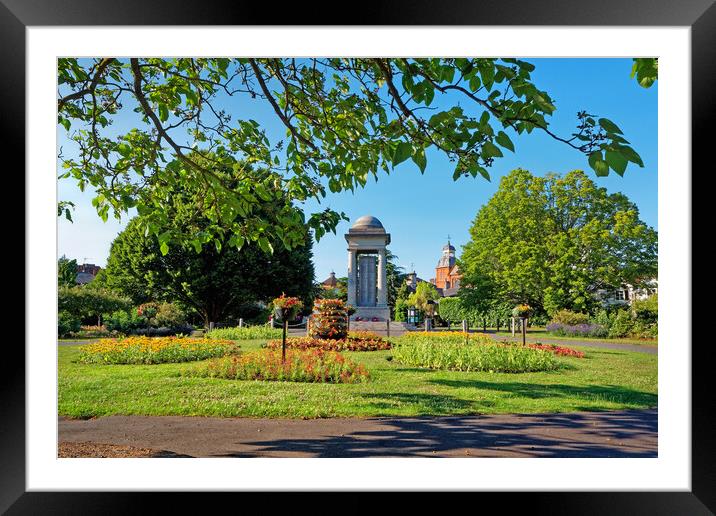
{"x":445,"y":266}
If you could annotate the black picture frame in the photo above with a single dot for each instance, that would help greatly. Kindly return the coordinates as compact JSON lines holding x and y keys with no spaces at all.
{"x":700,"y":15}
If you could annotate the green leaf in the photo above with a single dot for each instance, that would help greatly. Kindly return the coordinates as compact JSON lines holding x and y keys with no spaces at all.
{"x":420,"y":160}
{"x":124,"y":149}
{"x":237,"y":241}
{"x":163,"y":112}
{"x":265,"y":245}
{"x":402,"y":152}
{"x":475,"y":82}
{"x":598,"y":164}
{"x":488,"y":75}
{"x":490,"y":150}
{"x":616,"y":161}
{"x":429,"y":94}
{"x":609,"y":126}
{"x":631,"y":155}
{"x":164,"y":248}
{"x":503,"y":140}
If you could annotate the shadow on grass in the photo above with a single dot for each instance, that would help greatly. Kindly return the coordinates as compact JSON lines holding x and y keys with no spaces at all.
{"x":608,"y":434}
{"x":613,"y":393}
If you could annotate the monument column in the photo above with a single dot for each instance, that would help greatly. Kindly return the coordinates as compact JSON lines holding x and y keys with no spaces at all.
{"x":352,"y":285}
{"x":382,"y":279}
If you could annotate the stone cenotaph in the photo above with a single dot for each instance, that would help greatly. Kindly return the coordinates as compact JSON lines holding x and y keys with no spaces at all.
{"x":367,"y":285}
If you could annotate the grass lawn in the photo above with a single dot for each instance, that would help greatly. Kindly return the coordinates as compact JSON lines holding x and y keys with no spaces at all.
{"x":603,"y":380}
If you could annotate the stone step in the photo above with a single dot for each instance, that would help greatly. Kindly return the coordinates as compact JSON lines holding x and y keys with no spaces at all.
{"x":381,"y":326}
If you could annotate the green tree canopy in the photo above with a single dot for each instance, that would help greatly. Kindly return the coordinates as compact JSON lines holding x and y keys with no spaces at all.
{"x":345,"y":121}
{"x":217,"y":284}
{"x":553,"y":241}
{"x":83,"y":302}
{"x":219,"y":281}
{"x":66,"y":272}
{"x":424,"y":293}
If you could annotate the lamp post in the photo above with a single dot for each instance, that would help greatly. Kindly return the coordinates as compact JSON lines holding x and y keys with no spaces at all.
{"x":285,"y":308}
{"x":523,"y":312}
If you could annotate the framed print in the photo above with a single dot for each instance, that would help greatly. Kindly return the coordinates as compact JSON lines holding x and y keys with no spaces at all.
{"x":284,"y":182}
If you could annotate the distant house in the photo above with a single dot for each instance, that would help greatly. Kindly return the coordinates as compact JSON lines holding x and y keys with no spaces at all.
{"x":412,"y":280}
{"x":331,"y":282}
{"x":627,"y":294}
{"x":86,"y":273}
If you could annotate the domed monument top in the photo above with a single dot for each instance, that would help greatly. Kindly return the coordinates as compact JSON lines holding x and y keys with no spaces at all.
{"x":367,"y":223}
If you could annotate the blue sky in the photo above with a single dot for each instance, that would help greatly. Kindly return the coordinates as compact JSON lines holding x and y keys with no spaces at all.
{"x":421,"y":210}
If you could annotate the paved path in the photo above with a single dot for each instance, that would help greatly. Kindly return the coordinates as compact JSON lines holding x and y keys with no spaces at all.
{"x":581,"y":434}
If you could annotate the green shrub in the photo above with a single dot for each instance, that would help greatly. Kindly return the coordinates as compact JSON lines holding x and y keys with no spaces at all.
{"x":84,"y":302}
{"x":569,"y":318}
{"x":169,"y":315}
{"x":647,"y":309}
{"x":67,"y":323}
{"x":622,"y":324}
{"x":401,"y":310}
{"x":124,"y":321}
{"x":245,"y":333}
{"x":538,"y":320}
{"x":494,"y":357}
{"x":300,"y":366}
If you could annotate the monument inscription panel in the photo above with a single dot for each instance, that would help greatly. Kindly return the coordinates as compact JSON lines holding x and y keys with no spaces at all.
{"x":367,"y":280}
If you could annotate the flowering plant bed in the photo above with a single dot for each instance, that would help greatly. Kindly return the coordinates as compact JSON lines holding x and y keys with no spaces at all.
{"x":93,"y":332}
{"x":447,"y":337}
{"x":350,"y":343}
{"x":313,"y":365}
{"x":492,"y":357}
{"x":577,"y":330}
{"x":245,"y":333}
{"x":363,"y":334}
{"x":557,"y":350}
{"x":157,"y":350}
{"x":459,"y":351}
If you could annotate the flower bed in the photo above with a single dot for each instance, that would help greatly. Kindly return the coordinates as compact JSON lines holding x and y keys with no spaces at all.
{"x":441,"y":353}
{"x":577,"y":330}
{"x":92,"y":332}
{"x":301,"y":366}
{"x":557,"y":350}
{"x":245,"y":333}
{"x":157,"y":350}
{"x":350,"y":343}
{"x":454,"y":337}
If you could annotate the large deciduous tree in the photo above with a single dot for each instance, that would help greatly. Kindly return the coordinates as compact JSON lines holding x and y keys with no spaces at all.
{"x":218,"y":284}
{"x":553,"y":241}
{"x":217,"y":281}
{"x":345,"y":120}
